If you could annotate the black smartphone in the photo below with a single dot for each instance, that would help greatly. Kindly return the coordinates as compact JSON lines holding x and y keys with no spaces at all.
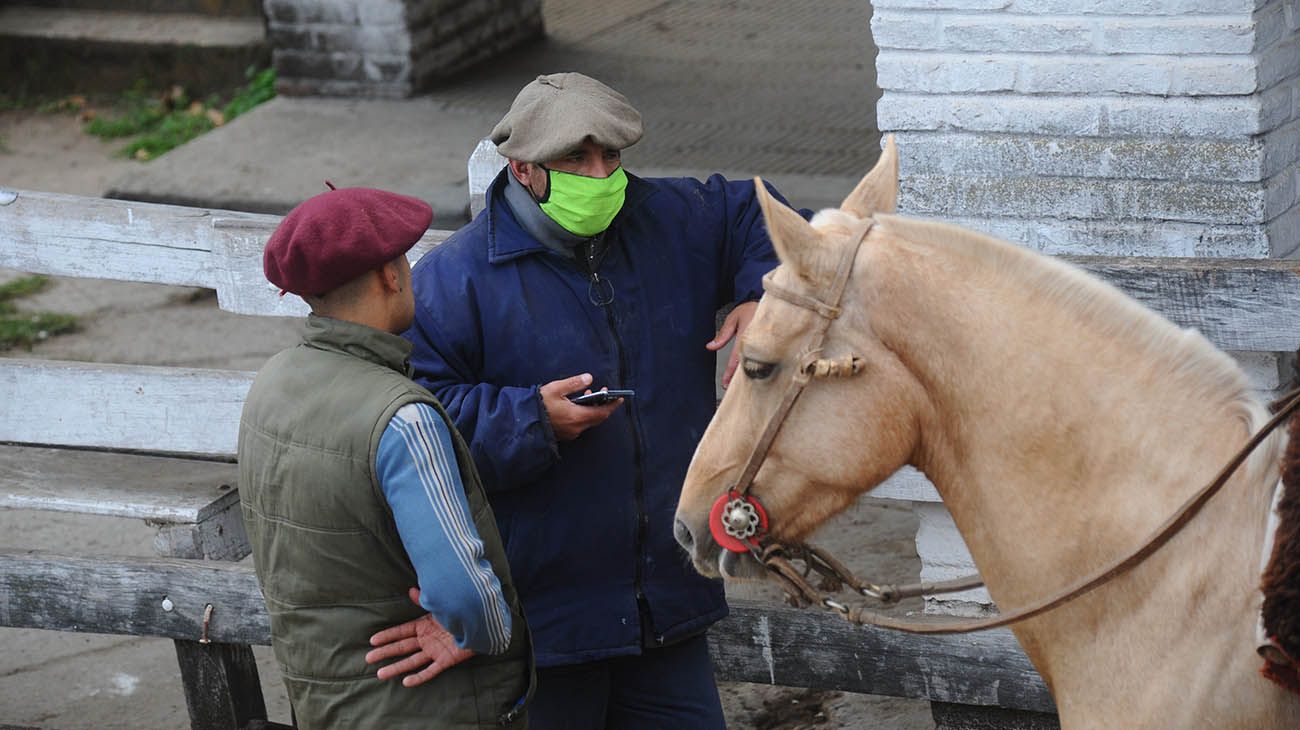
{"x":600,"y":397}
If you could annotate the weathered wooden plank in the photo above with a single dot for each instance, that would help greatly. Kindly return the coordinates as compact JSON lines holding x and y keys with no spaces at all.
{"x":68,"y":235}
{"x":1239,"y":304}
{"x":222,"y":691}
{"x":159,"y":489}
{"x":785,"y":646}
{"x":242,"y":287}
{"x":965,"y":717}
{"x":130,"y":407}
{"x":161,"y":597}
{"x":1250,"y":305}
{"x":757,"y":643}
{"x":220,"y":536}
{"x":484,"y":164}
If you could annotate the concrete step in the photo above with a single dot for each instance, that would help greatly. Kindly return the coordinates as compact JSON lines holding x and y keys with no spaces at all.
{"x":217,"y":8}
{"x":66,"y":50}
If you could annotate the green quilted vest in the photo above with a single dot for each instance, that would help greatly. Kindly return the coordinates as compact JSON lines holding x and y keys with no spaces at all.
{"x":326,"y":548}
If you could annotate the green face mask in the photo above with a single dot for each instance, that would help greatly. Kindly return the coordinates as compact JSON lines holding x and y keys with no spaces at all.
{"x":584,"y":206}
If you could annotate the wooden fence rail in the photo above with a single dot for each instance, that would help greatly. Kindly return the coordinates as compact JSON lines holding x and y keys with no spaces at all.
{"x":1239,"y":304}
{"x":759,"y":642}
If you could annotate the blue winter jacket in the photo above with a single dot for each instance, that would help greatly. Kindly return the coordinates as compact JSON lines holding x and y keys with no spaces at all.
{"x":588,"y":523}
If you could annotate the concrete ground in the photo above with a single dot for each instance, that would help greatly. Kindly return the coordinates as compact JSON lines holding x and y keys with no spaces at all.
{"x":747,"y":87}
{"x":742,"y":87}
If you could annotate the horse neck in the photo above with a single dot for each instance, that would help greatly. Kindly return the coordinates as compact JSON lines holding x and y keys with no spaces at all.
{"x":1058,"y":438}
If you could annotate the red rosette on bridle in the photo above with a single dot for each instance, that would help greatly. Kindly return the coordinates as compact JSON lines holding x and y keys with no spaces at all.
{"x":737,"y":521}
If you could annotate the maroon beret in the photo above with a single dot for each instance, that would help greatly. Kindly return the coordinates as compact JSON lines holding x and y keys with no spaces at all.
{"x":336,"y":236}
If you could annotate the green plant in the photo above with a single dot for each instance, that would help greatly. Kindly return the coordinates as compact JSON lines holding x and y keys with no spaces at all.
{"x":260,"y":88}
{"x":26,"y":328}
{"x":161,"y":122}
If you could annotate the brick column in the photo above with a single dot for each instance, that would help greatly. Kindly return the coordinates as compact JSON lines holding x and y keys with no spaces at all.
{"x":389,"y":48}
{"x":1164,"y":127}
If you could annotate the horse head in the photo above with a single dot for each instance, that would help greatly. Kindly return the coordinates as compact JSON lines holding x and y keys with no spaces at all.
{"x":821,"y":457}
{"x":1061,"y":422}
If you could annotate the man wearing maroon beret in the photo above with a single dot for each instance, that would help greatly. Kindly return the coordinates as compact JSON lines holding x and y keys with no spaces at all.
{"x":355,"y":487}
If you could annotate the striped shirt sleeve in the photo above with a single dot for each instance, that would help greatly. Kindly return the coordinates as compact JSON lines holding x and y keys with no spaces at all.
{"x":417,"y":471}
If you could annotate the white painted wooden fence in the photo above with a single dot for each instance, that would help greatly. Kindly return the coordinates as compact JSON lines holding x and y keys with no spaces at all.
{"x":1248,"y":306}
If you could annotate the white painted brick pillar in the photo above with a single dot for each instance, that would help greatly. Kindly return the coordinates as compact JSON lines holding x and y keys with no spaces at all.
{"x":389,"y":48}
{"x":1120,"y":127}
{"x":1161,"y":127}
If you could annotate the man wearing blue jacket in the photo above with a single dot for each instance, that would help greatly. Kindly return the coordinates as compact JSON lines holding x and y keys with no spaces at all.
{"x":578,"y":276}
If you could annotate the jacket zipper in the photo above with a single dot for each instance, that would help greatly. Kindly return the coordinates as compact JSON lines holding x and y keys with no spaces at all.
{"x":638,"y":491}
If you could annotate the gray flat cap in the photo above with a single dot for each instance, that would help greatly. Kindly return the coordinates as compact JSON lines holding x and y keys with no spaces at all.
{"x":556,"y":112}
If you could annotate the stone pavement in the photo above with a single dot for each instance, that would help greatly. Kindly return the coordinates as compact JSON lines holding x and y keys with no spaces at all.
{"x":745,"y":87}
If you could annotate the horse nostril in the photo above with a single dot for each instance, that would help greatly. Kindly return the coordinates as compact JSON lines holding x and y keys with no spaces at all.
{"x":683,"y":535}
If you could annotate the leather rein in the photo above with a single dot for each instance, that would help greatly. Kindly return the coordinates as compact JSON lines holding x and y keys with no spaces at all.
{"x":739,"y":523}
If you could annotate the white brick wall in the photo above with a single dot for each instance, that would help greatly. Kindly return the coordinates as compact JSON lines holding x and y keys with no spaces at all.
{"x":935,"y":72}
{"x":1156,"y":118}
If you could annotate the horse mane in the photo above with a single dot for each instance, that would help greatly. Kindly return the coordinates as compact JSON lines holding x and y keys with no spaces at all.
{"x":1183,"y":355}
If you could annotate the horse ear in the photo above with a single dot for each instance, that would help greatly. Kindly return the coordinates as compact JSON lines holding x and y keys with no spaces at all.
{"x":878,"y":190}
{"x":787,"y":229}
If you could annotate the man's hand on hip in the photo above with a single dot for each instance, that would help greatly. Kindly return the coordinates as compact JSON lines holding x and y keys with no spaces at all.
{"x":569,"y":420}
{"x":425,"y":644}
{"x":732,"y":327}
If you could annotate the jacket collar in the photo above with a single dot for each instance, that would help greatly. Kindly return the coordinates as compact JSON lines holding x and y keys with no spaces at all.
{"x":359,"y":340}
{"x":508,"y":240}
{"x":529,"y":215}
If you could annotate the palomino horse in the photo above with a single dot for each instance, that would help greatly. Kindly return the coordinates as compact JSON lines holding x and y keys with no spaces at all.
{"x":1061,"y":422}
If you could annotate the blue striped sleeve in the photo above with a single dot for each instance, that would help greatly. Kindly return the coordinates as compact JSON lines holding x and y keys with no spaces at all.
{"x":417,"y":471}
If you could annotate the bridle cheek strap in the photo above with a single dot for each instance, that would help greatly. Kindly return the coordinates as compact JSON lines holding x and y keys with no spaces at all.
{"x":810,"y":365}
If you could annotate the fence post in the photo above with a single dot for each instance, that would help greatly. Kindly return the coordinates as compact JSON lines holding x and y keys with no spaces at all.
{"x":484,"y":164}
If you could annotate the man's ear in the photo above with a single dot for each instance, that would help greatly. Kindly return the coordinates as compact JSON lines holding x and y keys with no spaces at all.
{"x":533,"y":176}
{"x":389,"y":277}
{"x":523,"y":171}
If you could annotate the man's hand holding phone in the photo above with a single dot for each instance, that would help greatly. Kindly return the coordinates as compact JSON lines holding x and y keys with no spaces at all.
{"x":600,"y":397}
{"x":569,"y":419}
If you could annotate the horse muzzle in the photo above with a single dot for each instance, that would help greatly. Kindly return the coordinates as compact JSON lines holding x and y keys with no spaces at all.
{"x":704,"y":554}
{"x":734,"y":522}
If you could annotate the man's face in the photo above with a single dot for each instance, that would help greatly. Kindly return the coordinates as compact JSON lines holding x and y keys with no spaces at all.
{"x":587,"y":159}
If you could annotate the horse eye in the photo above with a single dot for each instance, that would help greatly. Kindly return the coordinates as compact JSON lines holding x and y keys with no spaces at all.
{"x":756,"y":370}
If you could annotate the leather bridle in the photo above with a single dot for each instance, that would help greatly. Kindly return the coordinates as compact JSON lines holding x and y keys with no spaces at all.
{"x":739,"y":522}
